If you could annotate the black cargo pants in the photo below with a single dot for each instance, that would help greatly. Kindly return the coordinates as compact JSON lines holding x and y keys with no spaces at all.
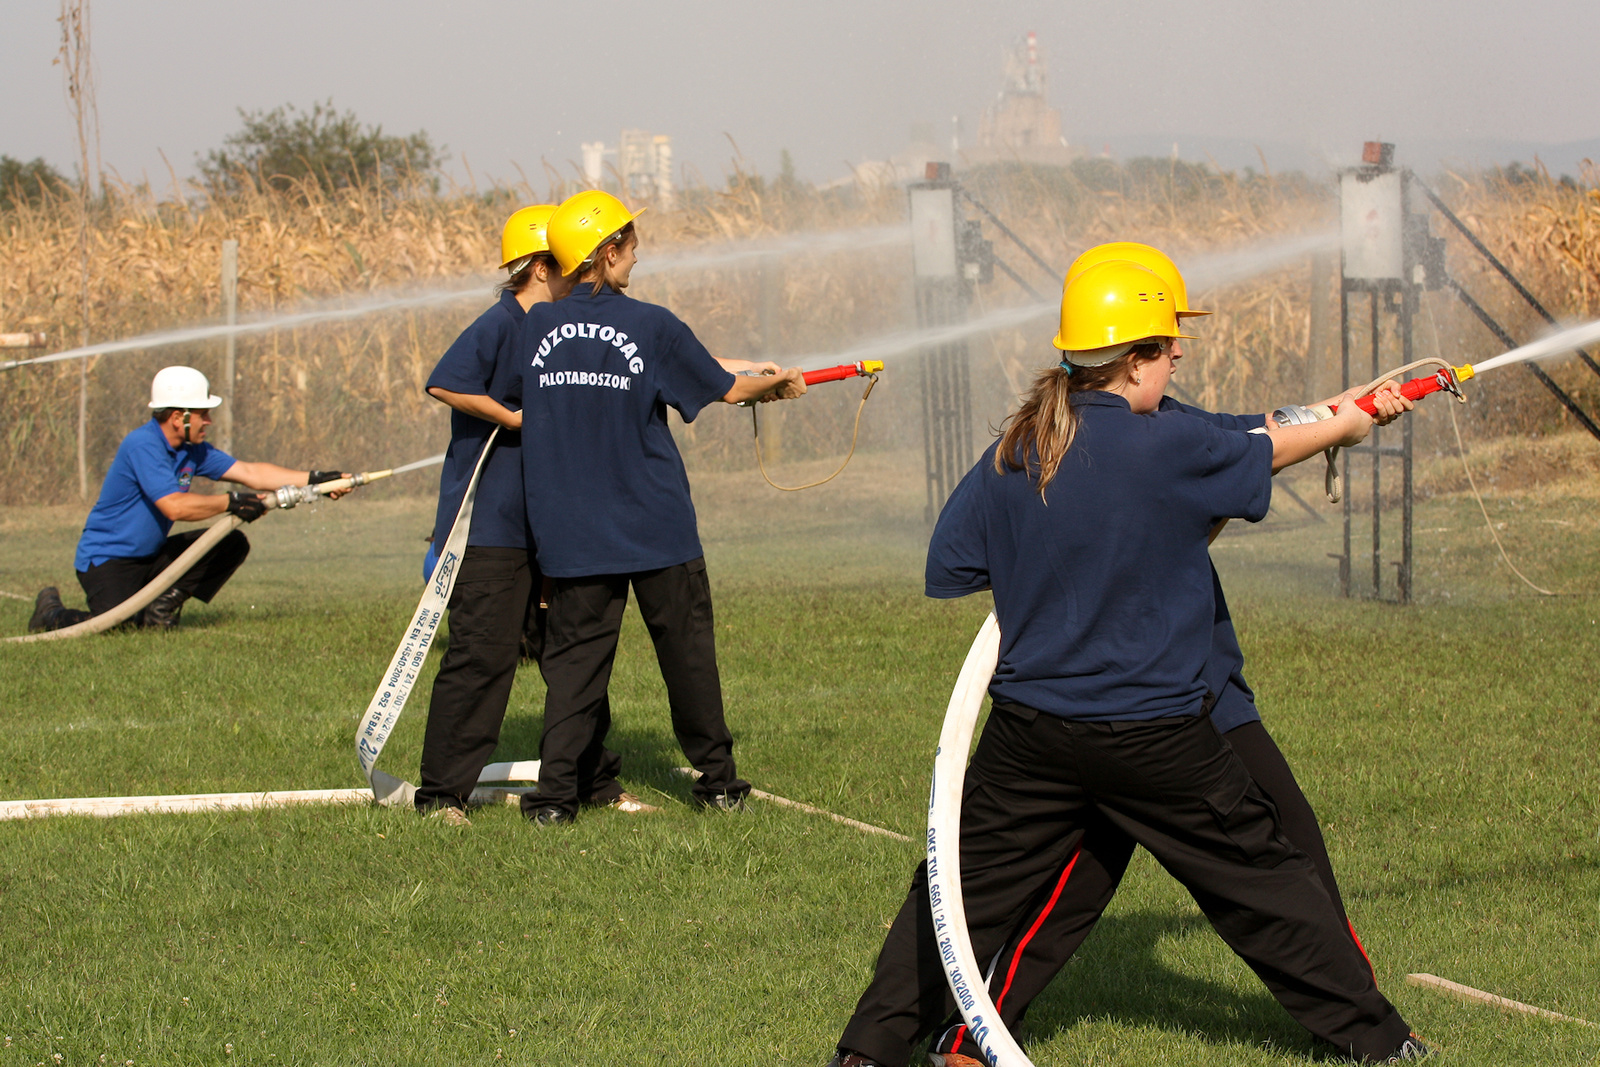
{"x":580,"y":647}
{"x":1044,"y":794}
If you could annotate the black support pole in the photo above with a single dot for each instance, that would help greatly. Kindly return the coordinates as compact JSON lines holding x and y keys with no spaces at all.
{"x":1505,"y":272}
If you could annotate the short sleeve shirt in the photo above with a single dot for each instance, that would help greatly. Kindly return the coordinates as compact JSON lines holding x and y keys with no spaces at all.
{"x":1236,"y":703}
{"x":125,"y":522}
{"x":606,"y":488}
{"x":1104,"y":589}
{"x":481,"y":362}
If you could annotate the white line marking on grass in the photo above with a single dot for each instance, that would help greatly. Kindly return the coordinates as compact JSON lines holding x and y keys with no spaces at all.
{"x":15,"y":596}
{"x":1478,"y":996}
{"x":762,"y":794}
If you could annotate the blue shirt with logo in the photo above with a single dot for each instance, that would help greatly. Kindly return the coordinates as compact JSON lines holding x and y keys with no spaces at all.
{"x":1104,"y":589}
{"x":606,"y":488}
{"x":125,"y":522}
{"x":481,"y":363}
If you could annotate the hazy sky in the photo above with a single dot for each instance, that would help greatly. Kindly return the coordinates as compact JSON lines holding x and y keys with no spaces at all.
{"x":832,"y":81}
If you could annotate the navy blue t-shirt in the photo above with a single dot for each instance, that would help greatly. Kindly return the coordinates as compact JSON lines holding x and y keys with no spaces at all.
{"x":1104,"y":593}
{"x":125,"y":522}
{"x":606,"y":488}
{"x":1236,"y":703}
{"x":482,"y":363}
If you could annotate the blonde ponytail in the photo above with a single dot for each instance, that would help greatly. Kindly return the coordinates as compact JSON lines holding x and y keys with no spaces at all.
{"x":1036,"y":437}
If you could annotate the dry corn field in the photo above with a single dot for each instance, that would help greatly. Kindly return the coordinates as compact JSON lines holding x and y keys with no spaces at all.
{"x":350,"y":393}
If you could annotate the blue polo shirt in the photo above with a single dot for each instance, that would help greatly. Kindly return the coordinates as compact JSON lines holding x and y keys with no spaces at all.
{"x":481,"y":363}
{"x":606,"y":488}
{"x":1236,"y":703}
{"x":125,"y":522}
{"x":1105,"y":594}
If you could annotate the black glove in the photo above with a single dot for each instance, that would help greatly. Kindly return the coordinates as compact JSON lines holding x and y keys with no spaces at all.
{"x":318,"y":477}
{"x":248,"y":506}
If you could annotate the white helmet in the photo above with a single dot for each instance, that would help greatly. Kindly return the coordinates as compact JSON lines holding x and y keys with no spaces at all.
{"x":181,"y":387}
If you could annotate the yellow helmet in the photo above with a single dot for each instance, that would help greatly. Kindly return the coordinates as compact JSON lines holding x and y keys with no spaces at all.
{"x":1151,"y":259}
{"x":1110,"y":307}
{"x":582,"y":224}
{"x":524,"y":233}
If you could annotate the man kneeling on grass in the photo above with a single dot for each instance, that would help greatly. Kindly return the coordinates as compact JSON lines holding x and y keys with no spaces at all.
{"x":125,"y":541}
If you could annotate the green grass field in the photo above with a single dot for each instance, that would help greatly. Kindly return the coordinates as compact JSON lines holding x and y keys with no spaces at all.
{"x":1450,"y":748}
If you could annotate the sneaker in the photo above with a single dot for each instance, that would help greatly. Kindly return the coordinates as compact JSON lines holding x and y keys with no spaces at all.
{"x":450,"y":815}
{"x":725,"y":802}
{"x":45,"y":605}
{"x":843,"y":1058}
{"x":550,"y":815}
{"x":1410,"y":1049}
{"x":953,"y":1059}
{"x":630,"y":804}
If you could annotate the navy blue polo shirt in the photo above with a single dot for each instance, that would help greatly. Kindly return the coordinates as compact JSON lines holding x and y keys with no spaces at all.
{"x":1236,"y":703}
{"x":606,"y":488}
{"x":481,"y":362}
{"x":125,"y":522}
{"x":1105,"y":593}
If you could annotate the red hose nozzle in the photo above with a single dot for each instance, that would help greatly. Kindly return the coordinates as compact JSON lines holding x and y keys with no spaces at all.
{"x":843,"y":371}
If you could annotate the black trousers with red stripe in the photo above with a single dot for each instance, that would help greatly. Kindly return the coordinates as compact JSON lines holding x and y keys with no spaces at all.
{"x":1049,"y":815}
{"x":1051,"y":930}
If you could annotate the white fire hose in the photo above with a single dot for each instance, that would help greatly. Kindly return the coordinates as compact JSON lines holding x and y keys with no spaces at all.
{"x":967,"y":981}
{"x":284,"y":498}
{"x":383,"y":711}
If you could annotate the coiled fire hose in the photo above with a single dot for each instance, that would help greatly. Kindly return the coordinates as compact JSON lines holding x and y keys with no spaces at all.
{"x":866,"y":369}
{"x":967,"y":981}
{"x":281,"y":499}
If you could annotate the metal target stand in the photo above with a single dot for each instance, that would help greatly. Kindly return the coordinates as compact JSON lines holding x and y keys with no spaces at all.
{"x":1389,"y":255}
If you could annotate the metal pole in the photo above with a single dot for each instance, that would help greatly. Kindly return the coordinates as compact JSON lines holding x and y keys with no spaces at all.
{"x":1317,"y":342}
{"x":230,"y":315}
{"x":1408,"y":307}
{"x":1377,"y":460}
{"x":1533,"y":368}
{"x":770,"y":311}
{"x":1505,"y":272}
{"x":1345,"y":561}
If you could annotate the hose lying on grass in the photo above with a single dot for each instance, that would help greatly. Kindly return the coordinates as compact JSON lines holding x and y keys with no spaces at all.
{"x":281,"y":499}
{"x":142,"y":599}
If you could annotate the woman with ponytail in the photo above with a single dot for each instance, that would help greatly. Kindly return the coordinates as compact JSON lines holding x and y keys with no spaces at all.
{"x":1048,"y":931}
{"x":1089,"y":519}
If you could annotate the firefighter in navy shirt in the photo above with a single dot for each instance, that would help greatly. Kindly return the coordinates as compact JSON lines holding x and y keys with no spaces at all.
{"x":1107,"y":614}
{"x":126,"y":541}
{"x":608,"y":500}
{"x":1049,"y":930}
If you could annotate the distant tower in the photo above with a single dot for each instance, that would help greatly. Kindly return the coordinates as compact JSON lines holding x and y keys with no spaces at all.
{"x":645,"y":163}
{"x":1020,"y":124}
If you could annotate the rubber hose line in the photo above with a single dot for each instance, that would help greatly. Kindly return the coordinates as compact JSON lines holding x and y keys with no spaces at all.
{"x":855,"y":434}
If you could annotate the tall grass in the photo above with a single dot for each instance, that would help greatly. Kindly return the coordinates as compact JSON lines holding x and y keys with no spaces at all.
{"x":350,"y":395}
